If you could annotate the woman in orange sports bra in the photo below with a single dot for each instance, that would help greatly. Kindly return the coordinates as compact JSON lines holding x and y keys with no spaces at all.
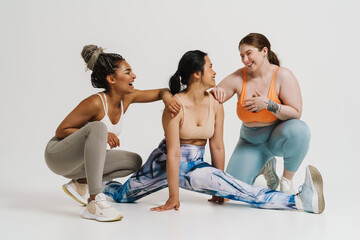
{"x":178,"y":160}
{"x":269,"y":105}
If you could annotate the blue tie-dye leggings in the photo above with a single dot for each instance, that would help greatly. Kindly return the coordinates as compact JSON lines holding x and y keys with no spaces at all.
{"x":195,"y":175}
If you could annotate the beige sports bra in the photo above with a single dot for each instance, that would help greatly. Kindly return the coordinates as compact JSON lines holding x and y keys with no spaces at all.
{"x":190,"y":130}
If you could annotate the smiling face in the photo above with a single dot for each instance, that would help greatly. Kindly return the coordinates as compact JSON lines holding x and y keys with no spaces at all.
{"x":208,"y":76}
{"x":252,"y":57}
{"x":123,"y":78}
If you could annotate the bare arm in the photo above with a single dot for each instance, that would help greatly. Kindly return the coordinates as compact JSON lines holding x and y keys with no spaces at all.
{"x":171,"y":128}
{"x":217,"y":149}
{"x":85,"y":112}
{"x":290,"y":96}
{"x":144,"y":96}
{"x":230,"y":85}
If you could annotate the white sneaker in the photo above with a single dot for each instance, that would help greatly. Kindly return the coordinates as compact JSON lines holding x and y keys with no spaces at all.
{"x":100,"y":210}
{"x":272,"y":179}
{"x":286,"y":186}
{"x":78,"y":191}
{"x":311,"y":196}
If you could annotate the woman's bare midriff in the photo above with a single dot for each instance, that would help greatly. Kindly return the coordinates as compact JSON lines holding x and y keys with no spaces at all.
{"x":197,"y":142}
{"x":259,"y":124}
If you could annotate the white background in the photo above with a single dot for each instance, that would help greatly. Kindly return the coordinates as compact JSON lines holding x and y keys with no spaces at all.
{"x":43,"y":78}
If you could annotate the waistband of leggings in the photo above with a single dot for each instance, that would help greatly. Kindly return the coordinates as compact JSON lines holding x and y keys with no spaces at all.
{"x":192,"y":147}
{"x":187,"y":146}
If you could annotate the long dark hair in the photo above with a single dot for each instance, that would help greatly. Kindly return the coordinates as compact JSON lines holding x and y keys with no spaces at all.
{"x":260,"y":41}
{"x":191,"y":62}
{"x":101,"y":64}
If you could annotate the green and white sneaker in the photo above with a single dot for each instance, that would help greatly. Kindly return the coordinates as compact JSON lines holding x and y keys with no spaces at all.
{"x":271,"y":178}
{"x":311,"y":196}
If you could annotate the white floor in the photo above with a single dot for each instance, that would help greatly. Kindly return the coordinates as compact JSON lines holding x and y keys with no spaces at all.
{"x":43,"y":212}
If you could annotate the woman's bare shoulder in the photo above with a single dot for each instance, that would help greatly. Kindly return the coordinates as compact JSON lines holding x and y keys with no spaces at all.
{"x":284,"y":73}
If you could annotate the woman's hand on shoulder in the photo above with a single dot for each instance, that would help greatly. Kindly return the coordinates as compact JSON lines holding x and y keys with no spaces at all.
{"x":173,"y":105}
{"x":219,"y":94}
{"x":218,"y":107}
{"x":171,"y":203}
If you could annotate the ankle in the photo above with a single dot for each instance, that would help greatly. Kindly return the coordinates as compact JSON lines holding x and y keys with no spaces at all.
{"x":91,"y":198}
{"x":286,"y":179}
{"x":81,"y":181}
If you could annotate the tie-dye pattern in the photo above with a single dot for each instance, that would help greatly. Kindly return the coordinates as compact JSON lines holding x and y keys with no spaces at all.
{"x":195,"y":175}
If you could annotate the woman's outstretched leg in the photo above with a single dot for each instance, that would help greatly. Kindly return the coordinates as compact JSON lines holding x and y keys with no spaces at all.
{"x":205,"y":178}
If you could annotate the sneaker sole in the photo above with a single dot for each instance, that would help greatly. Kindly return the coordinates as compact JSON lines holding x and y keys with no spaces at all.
{"x":318,"y":202}
{"x":90,"y":216}
{"x":71,"y":194}
{"x":276,"y":184}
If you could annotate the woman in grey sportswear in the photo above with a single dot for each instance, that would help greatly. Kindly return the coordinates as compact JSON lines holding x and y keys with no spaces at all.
{"x":79,"y":149}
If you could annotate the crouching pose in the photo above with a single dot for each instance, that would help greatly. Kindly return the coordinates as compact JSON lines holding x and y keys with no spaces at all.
{"x":269,"y":106}
{"x":178,"y":160}
{"x":79,"y":149}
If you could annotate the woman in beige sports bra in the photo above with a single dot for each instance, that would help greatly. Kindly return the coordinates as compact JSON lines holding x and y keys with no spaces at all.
{"x":178,"y":160}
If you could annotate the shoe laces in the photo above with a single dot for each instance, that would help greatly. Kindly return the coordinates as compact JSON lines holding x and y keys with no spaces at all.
{"x":101,"y":201}
{"x":300,"y":189}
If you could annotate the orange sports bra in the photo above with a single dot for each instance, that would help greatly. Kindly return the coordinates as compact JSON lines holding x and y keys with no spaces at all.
{"x":262,"y":116}
{"x":190,"y":130}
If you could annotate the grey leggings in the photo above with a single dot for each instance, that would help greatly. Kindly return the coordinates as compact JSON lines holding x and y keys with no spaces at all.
{"x":83,"y":154}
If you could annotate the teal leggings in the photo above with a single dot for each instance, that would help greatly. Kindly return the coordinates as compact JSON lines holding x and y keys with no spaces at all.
{"x":257,"y":145}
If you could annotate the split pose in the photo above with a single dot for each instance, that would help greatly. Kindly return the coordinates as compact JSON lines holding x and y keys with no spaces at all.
{"x":178,"y":160}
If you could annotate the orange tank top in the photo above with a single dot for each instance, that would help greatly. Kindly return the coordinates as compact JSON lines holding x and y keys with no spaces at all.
{"x":262,"y":116}
{"x":190,"y":130}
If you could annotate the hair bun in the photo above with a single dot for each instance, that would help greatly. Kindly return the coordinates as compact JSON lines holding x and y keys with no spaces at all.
{"x":90,"y":54}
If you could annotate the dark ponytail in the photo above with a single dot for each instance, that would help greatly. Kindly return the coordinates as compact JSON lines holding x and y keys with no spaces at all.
{"x":191,"y":62}
{"x":174,"y":84}
{"x":101,"y":64}
{"x":260,"y":41}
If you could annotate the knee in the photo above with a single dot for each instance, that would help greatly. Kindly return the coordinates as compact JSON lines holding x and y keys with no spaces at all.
{"x":297,"y":130}
{"x":137,"y":160}
{"x":97,"y":128}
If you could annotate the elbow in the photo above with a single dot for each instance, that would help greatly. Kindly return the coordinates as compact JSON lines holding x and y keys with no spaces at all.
{"x":297,"y":115}
{"x":173,"y":157}
{"x":59,"y":133}
{"x":218,"y":146}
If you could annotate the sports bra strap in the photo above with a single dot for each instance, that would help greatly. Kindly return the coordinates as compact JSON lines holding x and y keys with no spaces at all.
{"x":122,"y":108}
{"x":104,"y":102}
{"x":182,"y":104}
{"x":273,"y":78}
